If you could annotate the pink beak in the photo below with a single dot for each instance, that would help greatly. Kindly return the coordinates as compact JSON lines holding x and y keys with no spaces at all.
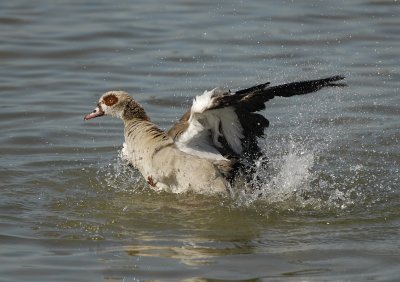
{"x":98,"y":112}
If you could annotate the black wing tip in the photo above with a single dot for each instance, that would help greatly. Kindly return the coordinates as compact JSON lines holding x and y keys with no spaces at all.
{"x":331,"y":81}
{"x":336,"y":77}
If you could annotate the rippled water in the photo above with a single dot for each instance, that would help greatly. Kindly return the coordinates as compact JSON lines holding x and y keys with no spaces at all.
{"x":327,"y":207}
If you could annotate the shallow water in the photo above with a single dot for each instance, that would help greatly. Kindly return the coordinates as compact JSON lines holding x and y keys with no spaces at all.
{"x":328,"y":206}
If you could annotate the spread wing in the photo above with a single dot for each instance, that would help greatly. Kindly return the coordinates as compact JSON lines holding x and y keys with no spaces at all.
{"x":222,"y":125}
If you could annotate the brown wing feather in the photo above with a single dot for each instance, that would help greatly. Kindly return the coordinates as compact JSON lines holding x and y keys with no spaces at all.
{"x":179,"y":127}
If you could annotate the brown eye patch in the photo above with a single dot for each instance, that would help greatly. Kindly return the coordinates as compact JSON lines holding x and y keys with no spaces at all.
{"x":110,"y":100}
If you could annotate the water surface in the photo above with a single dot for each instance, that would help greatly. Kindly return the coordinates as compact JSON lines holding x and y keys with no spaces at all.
{"x":329,"y":204}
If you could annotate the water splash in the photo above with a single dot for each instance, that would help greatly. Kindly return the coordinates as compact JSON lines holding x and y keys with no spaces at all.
{"x":119,"y":175}
{"x":283,"y":174}
{"x":305,"y":174}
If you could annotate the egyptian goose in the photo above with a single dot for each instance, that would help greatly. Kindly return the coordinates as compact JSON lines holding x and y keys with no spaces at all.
{"x":204,"y":149}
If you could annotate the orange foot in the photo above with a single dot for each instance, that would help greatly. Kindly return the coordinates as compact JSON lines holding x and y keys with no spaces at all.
{"x":151,"y":182}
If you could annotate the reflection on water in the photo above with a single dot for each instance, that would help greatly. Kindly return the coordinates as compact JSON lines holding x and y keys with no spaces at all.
{"x":189,"y":253}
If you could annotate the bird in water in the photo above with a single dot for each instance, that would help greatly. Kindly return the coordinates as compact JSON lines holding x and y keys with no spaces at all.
{"x":211,"y":142}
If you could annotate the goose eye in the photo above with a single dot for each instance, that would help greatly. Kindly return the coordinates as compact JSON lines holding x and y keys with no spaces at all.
{"x":110,"y":100}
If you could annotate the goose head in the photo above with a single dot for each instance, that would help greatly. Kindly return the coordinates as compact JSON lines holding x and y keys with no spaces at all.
{"x":117,"y":104}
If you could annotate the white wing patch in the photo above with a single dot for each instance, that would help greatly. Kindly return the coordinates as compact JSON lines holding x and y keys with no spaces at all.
{"x":206,"y":126}
{"x":232,"y":130}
